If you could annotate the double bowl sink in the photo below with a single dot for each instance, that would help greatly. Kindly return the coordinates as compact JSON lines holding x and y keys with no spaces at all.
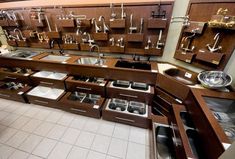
{"x":129,"y":107}
{"x":84,"y":97}
{"x":21,"y":54}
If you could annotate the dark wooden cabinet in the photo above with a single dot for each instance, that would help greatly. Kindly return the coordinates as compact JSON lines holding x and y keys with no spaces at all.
{"x":130,"y":94}
{"x":86,"y":87}
{"x":82,"y":108}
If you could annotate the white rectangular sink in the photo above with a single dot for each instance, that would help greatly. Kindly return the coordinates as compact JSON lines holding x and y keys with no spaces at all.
{"x":50,"y":75}
{"x":55,"y":58}
{"x":46,"y":92}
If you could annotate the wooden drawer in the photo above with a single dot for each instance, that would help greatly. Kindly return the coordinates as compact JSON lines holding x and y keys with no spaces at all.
{"x":86,"y":87}
{"x":14,"y":76}
{"x":17,"y":95}
{"x":130,"y":94}
{"x":91,"y":110}
{"x":116,"y":116}
{"x":172,"y":86}
{"x":48,"y":82}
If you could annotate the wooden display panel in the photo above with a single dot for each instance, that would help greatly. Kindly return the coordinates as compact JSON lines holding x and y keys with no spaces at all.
{"x":118,"y":26}
{"x":203,"y":11}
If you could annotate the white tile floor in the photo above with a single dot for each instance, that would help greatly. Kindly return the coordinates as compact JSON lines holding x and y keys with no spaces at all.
{"x":30,"y":131}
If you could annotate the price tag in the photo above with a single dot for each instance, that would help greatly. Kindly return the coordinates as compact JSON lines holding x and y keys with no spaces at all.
{"x":104,"y":66}
{"x":26,"y":74}
{"x":96,"y":106}
{"x":64,"y":62}
{"x":215,"y":62}
{"x":20,"y":93}
{"x":187,"y":60}
{"x":101,"y":84}
{"x":154,"y":71}
{"x":188,"y":75}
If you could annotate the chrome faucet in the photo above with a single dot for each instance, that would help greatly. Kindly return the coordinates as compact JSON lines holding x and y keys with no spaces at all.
{"x":21,"y":35}
{"x":123,"y":14}
{"x":105,"y":27}
{"x":98,"y":50}
{"x":132,"y":28}
{"x":97,"y":28}
{"x":215,"y":46}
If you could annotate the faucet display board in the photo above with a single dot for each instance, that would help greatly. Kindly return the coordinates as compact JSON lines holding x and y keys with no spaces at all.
{"x":135,"y":28}
{"x":207,"y":38}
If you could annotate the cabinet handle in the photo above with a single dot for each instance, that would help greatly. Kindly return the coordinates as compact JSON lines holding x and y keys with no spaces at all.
{"x":124,"y":119}
{"x":78,"y":110}
{"x":127,"y":95}
{"x":174,"y":136}
{"x":13,"y":78}
{"x":84,"y":88}
{"x":49,"y":83}
{"x":40,"y":101}
{"x":4,"y":95}
{"x":164,"y":100}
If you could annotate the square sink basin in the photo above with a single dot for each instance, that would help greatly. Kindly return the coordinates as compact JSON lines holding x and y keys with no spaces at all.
{"x":90,"y":61}
{"x":133,"y":65}
{"x":55,"y":58}
{"x":46,"y":92}
{"x":50,"y":75}
{"x":22,"y":54}
{"x":183,"y":76}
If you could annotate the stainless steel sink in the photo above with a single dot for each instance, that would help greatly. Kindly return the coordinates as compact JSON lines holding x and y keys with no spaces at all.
{"x":163,"y":143}
{"x":21,"y":54}
{"x":55,"y":58}
{"x":90,"y":61}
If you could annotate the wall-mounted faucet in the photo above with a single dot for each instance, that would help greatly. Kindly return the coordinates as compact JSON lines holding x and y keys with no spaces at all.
{"x":97,"y":28}
{"x":188,"y":40}
{"x":113,"y":14}
{"x":141,"y":25}
{"x":112,"y":41}
{"x":105,"y":27}
{"x":215,"y":46}
{"x":120,"y":42}
{"x":123,"y":14}
{"x":159,"y":43}
{"x":149,"y":42}
{"x":132,"y":28}
{"x":19,"y":33}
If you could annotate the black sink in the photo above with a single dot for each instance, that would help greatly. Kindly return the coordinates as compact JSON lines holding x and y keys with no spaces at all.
{"x":133,"y":65}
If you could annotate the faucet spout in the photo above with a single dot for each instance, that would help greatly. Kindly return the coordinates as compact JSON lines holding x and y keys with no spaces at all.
{"x":105,"y":27}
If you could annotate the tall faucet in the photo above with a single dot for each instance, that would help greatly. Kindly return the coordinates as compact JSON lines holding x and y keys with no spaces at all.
{"x":215,"y":46}
{"x":97,"y":29}
{"x":105,"y":27}
{"x":98,"y":50}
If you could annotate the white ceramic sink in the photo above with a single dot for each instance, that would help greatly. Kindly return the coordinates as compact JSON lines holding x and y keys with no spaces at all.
{"x":55,"y":58}
{"x":46,"y":92}
{"x":50,"y":75}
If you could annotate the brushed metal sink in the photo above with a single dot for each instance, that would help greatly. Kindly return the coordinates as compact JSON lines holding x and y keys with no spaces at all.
{"x":55,"y":58}
{"x":90,"y":61}
{"x":21,"y":54}
{"x":50,"y":75}
{"x":163,"y":143}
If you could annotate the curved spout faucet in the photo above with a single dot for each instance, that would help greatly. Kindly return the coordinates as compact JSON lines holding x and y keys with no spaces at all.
{"x":98,"y":50}
{"x":19,"y":33}
{"x":105,"y":27}
{"x":97,"y":28}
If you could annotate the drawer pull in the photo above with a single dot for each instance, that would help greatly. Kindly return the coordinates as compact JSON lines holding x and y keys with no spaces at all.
{"x":13,"y":78}
{"x":124,"y":119}
{"x":127,"y":95}
{"x":49,"y":83}
{"x":84,"y":88}
{"x":174,"y":136}
{"x":40,"y":101}
{"x":78,"y":110}
{"x":4,"y":95}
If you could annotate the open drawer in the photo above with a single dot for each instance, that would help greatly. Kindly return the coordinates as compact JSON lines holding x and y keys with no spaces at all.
{"x":127,"y":112}
{"x":86,"y":84}
{"x":15,"y":74}
{"x":163,"y":145}
{"x":213,"y":115}
{"x":45,"y":96}
{"x":49,"y":79}
{"x":83,"y":104}
{"x":186,"y":138}
{"x":14,"y":91}
{"x":130,"y":91}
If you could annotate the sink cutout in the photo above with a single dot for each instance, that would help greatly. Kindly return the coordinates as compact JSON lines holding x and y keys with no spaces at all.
{"x":164,"y":143}
{"x":133,"y":65}
{"x":195,"y":143}
{"x":90,"y":61}
{"x":182,"y":76}
{"x":55,"y":58}
{"x":186,"y":118}
{"x":123,"y":84}
{"x":139,"y":86}
{"x":118,"y":104}
{"x":136,"y":108}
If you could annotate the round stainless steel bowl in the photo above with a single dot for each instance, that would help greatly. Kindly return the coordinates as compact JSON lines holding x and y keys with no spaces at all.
{"x":214,"y":79}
